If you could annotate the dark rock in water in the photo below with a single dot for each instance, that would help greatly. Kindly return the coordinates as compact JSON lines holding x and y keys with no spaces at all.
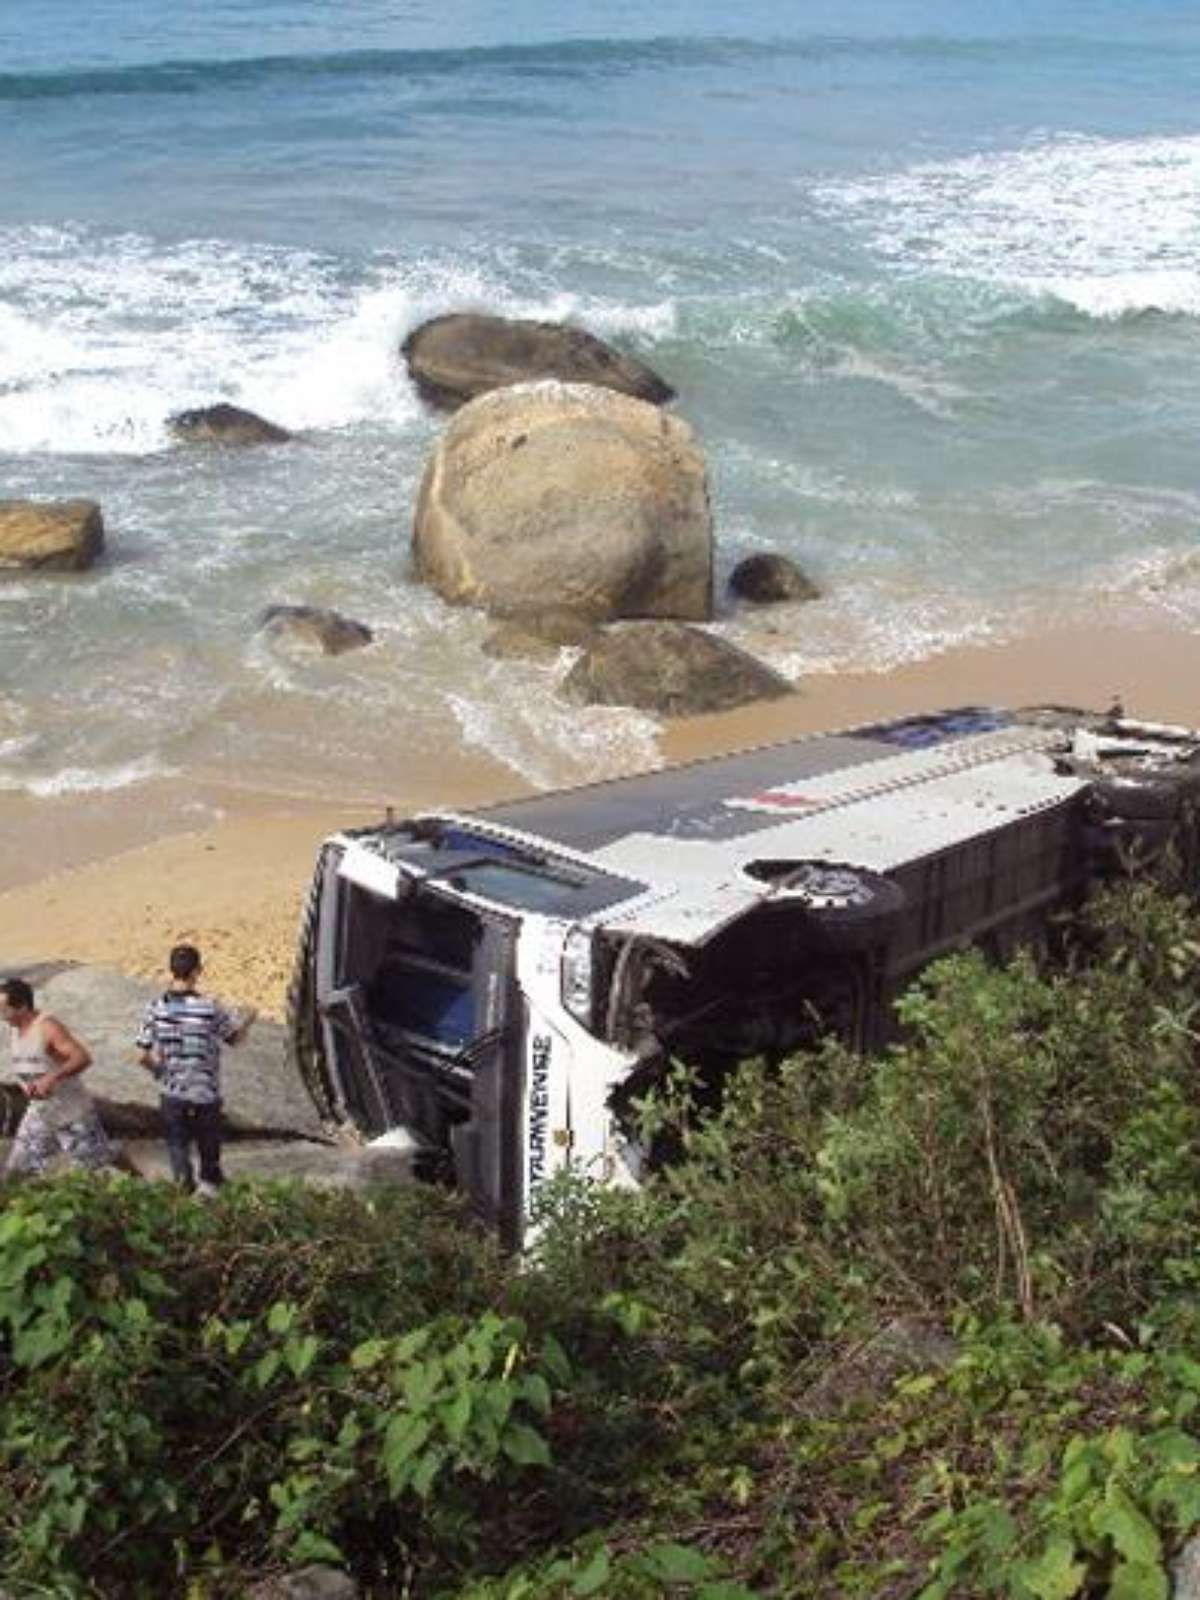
{"x":766,"y":579}
{"x":225,"y":424}
{"x":671,"y":669}
{"x":312,"y":628}
{"x":50,"y":535}
{"x":538,"y":637}
{"x":453,"y":358}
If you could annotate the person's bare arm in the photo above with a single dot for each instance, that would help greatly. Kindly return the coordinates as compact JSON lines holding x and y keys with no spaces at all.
{"x":70,"y":1057}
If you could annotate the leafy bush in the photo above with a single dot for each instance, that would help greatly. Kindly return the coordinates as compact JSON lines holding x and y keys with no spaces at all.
{"x":1032,"y":1143}
{"x":274,"y":1377}
{"x":193,"y":1396}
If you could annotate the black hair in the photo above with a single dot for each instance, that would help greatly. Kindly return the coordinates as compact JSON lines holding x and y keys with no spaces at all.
{"x":184,"y":961}
{"x":17,"y":992}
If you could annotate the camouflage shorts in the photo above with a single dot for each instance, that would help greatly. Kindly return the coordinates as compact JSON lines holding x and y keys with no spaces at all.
{"x":83,"y":1143}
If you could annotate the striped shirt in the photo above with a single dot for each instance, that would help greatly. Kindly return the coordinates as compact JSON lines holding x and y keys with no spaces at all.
{"x":184,"y":1031}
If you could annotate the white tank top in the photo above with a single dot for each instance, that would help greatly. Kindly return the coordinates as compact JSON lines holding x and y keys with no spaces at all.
{"x":30,"y":1059}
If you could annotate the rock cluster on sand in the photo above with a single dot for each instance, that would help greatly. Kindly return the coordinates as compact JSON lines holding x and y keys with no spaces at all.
{"x":55,"y":535}
{"x":452,"y":359}
{"x":569,"y":495}
{"x":579,"y":498}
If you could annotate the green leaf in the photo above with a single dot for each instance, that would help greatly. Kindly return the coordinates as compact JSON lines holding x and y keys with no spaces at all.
{"x":368,"y":1354}
{"x":236,"y":1335}
{"x":301,"y":1353}
{"x":593,"y":1577}
{"x":536,"y":1390}
{"x":1055,"y":1574}
{"x":266,"y":1367}
{"x":281,"y":1316}
{"x":677,"y":1563}
{"x":1134,"y":1536}
{"x":310,"y":1546}
{"x":426,"y":1471}
{"x":457,"y":1414}
{"x":1138,"y":1580}
{"x":420,"y":1383}
{"x":412,"y":1343}
{"x":554,"y":1359}
{"x":523,"y":1445}
{"x":404,"y":1437}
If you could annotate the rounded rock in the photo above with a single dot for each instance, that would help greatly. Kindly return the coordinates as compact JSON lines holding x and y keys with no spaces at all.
{"x":571,"y":497}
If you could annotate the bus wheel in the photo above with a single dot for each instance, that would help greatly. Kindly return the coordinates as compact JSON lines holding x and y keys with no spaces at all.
{"x":847,"y":906}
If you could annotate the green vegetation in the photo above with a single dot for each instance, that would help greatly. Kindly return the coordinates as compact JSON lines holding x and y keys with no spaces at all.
{"x":686,"y":1393}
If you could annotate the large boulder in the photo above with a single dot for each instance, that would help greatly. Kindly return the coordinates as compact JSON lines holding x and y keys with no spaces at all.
{"x":766,"y":579}
{"x":224,"y":424}
{"x":452,"y":359}
{"x":670,"y":669}
{"x":261,"y":1095}
{"x":567,"y":496}
{"x":313,"y":630}
{"x":52,"y":535}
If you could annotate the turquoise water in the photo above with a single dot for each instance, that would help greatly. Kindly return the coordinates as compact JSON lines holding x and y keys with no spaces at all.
{"x":926,"y":278}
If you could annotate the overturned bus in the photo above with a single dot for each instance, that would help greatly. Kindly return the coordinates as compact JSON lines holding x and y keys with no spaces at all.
{"x":502,"y":984}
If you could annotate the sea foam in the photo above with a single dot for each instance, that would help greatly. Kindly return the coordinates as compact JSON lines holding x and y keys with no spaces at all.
{"x":1110,"y":226}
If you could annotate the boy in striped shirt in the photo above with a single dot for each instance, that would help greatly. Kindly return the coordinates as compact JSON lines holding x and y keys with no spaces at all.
{"x":180,"y":1042}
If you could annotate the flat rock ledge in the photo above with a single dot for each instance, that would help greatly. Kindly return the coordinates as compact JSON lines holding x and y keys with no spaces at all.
{"x":50,"y":536}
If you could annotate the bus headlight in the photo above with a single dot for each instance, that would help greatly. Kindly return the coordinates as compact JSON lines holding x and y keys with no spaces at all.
{"x":577,"y":975}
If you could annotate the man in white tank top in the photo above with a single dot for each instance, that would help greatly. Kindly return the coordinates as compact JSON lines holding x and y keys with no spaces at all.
{"x":60,"y":1117}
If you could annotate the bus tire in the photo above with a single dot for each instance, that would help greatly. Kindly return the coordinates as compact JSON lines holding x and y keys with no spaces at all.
{"x":846,"y":907}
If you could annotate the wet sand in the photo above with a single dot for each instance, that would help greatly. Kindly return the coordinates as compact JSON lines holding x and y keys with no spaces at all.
{"x":117,"y":879}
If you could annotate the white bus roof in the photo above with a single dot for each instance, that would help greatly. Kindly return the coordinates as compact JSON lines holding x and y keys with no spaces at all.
{"x":875,"y":797}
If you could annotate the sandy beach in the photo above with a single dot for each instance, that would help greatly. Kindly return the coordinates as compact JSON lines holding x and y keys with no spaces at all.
{"x":117,"y":883}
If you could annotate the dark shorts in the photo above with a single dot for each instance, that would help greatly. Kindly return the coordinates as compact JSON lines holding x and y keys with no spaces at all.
{"x":186,"y":1123}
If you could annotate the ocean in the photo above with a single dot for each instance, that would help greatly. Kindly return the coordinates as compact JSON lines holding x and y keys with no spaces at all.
{"x":926,"y":277}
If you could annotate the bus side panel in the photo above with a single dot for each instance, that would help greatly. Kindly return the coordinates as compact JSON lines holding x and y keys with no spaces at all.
{"x":994,"y":891}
